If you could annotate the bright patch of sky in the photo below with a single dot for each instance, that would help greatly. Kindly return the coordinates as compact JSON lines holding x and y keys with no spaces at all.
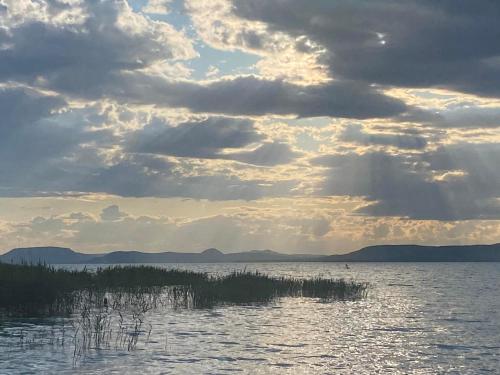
{"x":210,"y":59}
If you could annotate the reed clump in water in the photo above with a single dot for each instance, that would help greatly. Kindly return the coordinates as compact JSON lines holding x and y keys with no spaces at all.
{"x":40,"y":289}
{"x":247,"y":287}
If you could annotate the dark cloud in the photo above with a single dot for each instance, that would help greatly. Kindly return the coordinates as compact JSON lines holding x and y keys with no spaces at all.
{"x":254,"y":96}
{"x":135,"y":175}
{"x":112,"y":213}
{"x":108,"y":55}
{"x":210,"y":139}
{"x":450,"y":43}
{"x":203,"y":139}
{"x":454,"y":183}
{"x":469,"y":117}
{"x":131,"y":178}
{"x":112,"y":53}
{"x":42,"y":150}
{"x":355,"y":134}
{"x":36,"y":145}
{"x":21,"y":107}
{"x":47,"y":153}
{"x":83,"y":58}
{"x":478,"y":161}
{"x":268,"y":154}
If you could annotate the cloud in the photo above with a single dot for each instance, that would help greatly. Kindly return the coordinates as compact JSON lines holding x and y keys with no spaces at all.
{"x":446,"y":44}
{"x":84,"y":56}
{"x":22,"y":107}
{"x":138,"y":177}
{"x":112,"y":52}
{"x":281,"y":56}
{"x":202,"y":139}
{"x":468,"y":118}
{"x":135,"y":177}
{"x":229,"y":232}
{"x":40,"y":148}
{"x":48,"y":149}
{"x":253,"y":96}
{"x":112,"y":213}
{"x":287,"y":230}
{"x":355,"y":134}
{"x":152,"y":233}
{"x":413,"y":186}
{"x":63,"y":63}
{"x":157,"y":6}
{"x":43,"y":152}
{"x":212,"y":138}
{"x":268,"y":154}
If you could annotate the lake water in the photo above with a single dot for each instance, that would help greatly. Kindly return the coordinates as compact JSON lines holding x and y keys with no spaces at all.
{"x":419,"y":318}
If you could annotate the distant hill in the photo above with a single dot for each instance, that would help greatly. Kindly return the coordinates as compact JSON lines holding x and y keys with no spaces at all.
{"x":380,"y":253}
{"x":49,"y":255}
{"x":416,"y":253}
{"x":207,"y":256}
{"x":59,"y":255}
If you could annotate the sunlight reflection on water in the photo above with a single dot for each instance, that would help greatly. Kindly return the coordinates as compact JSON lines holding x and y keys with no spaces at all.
{"x":418,"y":319}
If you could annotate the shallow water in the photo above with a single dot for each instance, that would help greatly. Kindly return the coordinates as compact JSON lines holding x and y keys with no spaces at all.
{"x":419,"y":318}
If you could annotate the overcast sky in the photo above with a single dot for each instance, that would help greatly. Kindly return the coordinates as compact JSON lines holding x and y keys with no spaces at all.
{"x":300,"y":126}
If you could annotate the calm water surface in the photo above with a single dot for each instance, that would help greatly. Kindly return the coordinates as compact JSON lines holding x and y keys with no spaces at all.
{"x":419,"y":318}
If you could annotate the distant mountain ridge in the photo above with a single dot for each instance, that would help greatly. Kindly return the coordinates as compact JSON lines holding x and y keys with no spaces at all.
{"x":59,"y":255}
{"x":378,"y":253}
{"x":49,"y":255}
{"x":419,"y":253}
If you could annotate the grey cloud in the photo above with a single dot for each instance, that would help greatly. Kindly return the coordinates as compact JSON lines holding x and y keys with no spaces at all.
{"x":98,"y":59}
{"x":112,"y":213}
{"x":468,"y":118}
{"x":130,"y":178}
{"x":355,"y":133}
{"x":210,"y":139}
{"x":203,"y":139}
{"x":40,"y":150}
{"x":253,"y":96}
{"x":268,"y":154}
{"x":316,"y":227}
{"x":43,"y":153}
{"x":451,"y":44}
{"x":38,"y":147}
{"x":135,"y":175}
{"x":23,"y":107}
{"x":79,"y":59}
{"x":479,"y":161}
{"x":406,"y":185}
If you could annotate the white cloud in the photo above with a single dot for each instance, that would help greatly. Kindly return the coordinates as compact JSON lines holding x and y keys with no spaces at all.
{"x":157,"y":7}
{"x":293,"y":59}
{"x":286,"y":229}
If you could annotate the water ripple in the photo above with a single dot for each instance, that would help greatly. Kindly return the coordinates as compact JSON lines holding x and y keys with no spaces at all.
{"x":418,"y":319}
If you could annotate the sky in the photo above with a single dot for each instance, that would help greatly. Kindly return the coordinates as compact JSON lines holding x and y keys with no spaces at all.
{"x":300,"y":126}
